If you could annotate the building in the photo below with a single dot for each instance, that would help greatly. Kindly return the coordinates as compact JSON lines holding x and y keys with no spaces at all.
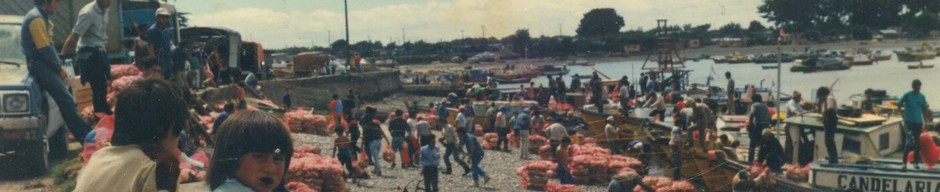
{"x":631,"y":48}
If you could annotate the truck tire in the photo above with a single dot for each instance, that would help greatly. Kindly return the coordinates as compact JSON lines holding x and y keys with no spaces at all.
{"x":59,"y":144}
{"x":36,"y":160}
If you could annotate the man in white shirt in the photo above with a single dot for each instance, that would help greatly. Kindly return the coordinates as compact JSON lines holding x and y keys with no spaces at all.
{"x":613,"y":135}
{"x":676,"y":142}
{"x":555,"y":132}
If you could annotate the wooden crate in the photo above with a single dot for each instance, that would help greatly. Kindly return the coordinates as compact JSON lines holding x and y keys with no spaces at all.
{"x":82,"y":93}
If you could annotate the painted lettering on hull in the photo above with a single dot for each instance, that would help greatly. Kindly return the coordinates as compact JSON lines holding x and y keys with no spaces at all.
{"x":887,"y":184}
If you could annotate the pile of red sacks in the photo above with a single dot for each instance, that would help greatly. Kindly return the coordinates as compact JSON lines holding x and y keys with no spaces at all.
{"x":797,"y":173}
{"x":432,"y":119}
{"x":663,"y":184}
{"x":535,"y":174}
{"x":490,"y":140}
{"x":301,"y":121}
{"x":535,"y":142}
{"x":556,"y":187}
{"x":318,"y":173}
{"x":298,"y":187}
{"x":122,"y":76}
{"x":592,"y":164}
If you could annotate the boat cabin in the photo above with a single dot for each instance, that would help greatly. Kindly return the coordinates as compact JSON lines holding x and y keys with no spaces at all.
{"x":869,"y":136}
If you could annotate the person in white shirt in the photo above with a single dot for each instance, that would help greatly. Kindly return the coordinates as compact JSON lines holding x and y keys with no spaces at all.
{"x":793,"y":106}
{"x":555,"y":132}
{"x":676,"y":142}
{"x":613,"y":135}
{"x":656,"y":100}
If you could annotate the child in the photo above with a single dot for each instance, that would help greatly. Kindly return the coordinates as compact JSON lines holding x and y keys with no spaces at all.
{"x":253,"y":151}
{"x":430,"y":159}
{"x":144,"y":155}
{"x":341,"y":145}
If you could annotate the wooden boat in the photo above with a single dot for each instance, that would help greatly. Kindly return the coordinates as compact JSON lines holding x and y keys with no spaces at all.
{"x":879,"y":56}
{"x":552,"y":70}
{"x":733,"y":58}
{"x":920,"y":66}
{"x":581,"y":62}
{"x":818,"y":63}
{"x":911,"y":54}
{"x":769,"y":66}
{"x":858,"y":59}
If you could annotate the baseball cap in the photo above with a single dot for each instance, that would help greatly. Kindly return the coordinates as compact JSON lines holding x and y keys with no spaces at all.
{"x":162,"y":11}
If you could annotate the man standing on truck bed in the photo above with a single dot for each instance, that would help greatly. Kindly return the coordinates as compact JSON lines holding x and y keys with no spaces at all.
{"x":45,"y":67}
{"x":159,"y":39}
{"x":90,"y":32}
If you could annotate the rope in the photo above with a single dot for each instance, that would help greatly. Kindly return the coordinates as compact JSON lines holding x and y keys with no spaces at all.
{"x":710,"y":170}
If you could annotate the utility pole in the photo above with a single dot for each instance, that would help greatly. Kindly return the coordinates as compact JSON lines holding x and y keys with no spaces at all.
{"x":483,"y":28}
{"x":346,"y":13}
{"x":402,"y":35}
{"x":461,"y":34}
{"x":559,"y":29}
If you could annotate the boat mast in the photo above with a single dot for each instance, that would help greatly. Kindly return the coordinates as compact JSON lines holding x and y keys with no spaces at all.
{"x":779,"y":84}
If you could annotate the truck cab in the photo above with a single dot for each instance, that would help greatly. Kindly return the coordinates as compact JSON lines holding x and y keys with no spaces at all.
{"x":31,"y":127}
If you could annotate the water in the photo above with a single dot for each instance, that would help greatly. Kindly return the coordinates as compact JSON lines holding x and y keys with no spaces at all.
{"x":892,"y":76}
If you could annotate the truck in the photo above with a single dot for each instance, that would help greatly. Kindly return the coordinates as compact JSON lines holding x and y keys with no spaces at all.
{"x":238,"y":57}
{"x":32,"y":130}
{"x":306,"y":63}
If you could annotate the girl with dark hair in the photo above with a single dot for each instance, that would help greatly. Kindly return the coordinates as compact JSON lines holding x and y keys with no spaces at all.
{"x":253,"y":151}
{"x":830,"y":120}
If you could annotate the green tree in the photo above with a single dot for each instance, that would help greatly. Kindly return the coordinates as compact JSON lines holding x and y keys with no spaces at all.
{"x":799,"y":15}
{"x":731,"y":30}
{"x":756,"y":26}
{"x":600,"y":22}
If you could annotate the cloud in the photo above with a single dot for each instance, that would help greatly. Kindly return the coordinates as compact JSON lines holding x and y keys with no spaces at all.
{"x":434,"y":20}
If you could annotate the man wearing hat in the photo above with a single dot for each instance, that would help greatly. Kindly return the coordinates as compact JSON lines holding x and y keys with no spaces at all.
{"x":159,"y":39}
{"x":90,"y":33}
{"x":612,"y":134}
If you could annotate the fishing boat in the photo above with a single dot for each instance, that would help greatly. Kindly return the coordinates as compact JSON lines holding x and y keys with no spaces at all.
{"x":879,"y":56}
{"x":584,"y":76}
{"x":858,"y":59}
{"x":581,"y":62}
{"x":819,"y":63}
{"x":552,"y":70}
{"x":697,"y":58}
{"x":920,"y":66}
{"x":918,"y":54}
{"x":769,"y":66}
{"x":733,"y":58}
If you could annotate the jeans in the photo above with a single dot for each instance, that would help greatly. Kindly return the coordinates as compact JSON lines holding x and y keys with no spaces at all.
{"x":376,"y":149}
{"x":502,"y":142}
{"x":95,"y":70}
{"x":475,"y":167}
{"x":345,"y":157}
{"x":524,"y":144}
{"x":451,"y":149}
{"x":754,"y":143}
{"x":564,"y":176}
{"x":830,"y":121}
{"x":51,"y":83}
{"x":676,"y":163}
{"x":912,"y":132}
{"x":430,"y":178}
{"x":397,"y":143}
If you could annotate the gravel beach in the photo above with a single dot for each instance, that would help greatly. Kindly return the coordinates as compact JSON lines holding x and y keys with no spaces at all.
{"x":500,"y":166}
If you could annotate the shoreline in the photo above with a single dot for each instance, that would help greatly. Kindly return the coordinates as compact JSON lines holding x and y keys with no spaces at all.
{"x":712,"y":50}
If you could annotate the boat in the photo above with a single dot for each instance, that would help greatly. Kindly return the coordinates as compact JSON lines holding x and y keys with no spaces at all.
{"x":552,"y":70}
{"x":512,"y":80}
{"x":733,"y":58}
{"x":919,"y":54}
{"x":819,"y":63}
{"x":920,"y":66}
{"x":771,"y":58}
{"x":769,"y":66}
{"x":584,"y":76}
{"x":581,"y":62}
{"x":879,"y":56}
{"x":858,"y":59}
{"x":697,"y":58}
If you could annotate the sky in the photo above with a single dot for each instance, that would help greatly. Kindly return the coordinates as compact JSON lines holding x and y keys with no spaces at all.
{"x":286,"y":23}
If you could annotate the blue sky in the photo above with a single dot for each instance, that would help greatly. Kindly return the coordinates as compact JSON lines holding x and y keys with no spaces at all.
{"x":285,"y":23}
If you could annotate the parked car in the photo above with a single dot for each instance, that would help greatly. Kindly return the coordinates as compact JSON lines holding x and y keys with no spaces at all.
{"x":31,"y":128}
